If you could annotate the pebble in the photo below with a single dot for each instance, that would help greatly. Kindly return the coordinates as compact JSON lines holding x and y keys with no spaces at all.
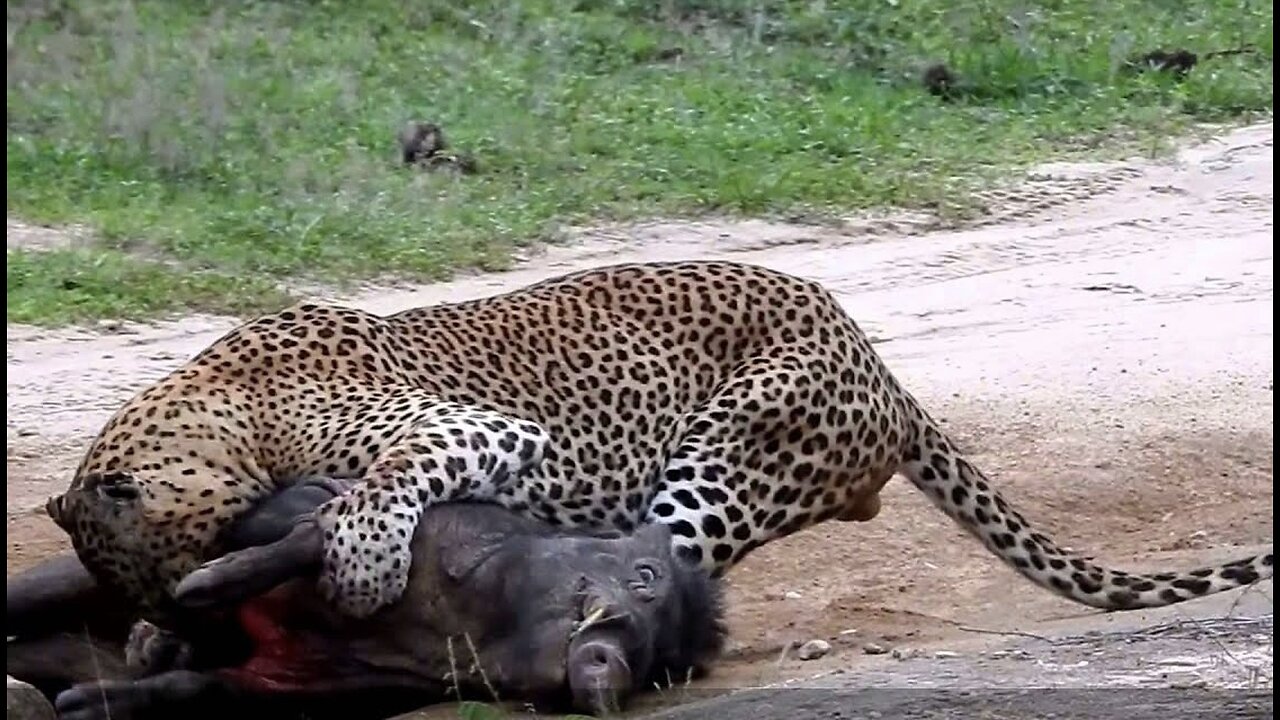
{"x":1182,"y":662}
{"x":792,"y":595}
{"x":945,"y":654}
{"x":24,"y":702}
{"x":813,"y":650}
{"x":874,"y":649}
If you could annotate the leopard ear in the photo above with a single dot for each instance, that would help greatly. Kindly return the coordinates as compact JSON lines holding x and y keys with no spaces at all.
{"x":55,"y":508}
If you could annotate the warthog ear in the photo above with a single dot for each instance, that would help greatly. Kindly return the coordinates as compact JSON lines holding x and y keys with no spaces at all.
{"x":240,"y":575}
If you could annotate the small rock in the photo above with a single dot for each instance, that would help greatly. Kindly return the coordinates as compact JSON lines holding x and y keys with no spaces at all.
{"x":944,"y":654}
{"x":813,"y":650}
{"x":25,"y":702}
{"x":1180,"y":662}
{"x":874,"y":649}
{"x":792,"y":595}
{"x":847,"y":633}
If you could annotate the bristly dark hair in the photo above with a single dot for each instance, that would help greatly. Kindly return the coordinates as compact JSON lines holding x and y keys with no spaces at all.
{"x":693,"y":631}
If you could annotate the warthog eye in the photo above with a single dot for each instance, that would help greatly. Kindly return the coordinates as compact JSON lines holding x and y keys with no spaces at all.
{"x":647,"y":574}
{"x":643,"y":586}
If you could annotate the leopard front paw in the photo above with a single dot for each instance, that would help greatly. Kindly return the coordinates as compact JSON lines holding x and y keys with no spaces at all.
{"x":150,"y":650}
{"x":367,"y":557}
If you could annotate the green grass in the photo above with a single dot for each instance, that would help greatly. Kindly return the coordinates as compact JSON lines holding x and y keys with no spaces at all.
{"x":220,"y":148}
{"x":471,"y":710}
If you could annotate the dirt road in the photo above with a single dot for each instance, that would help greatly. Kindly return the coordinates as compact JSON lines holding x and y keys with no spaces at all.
{"x":1101,"y":347}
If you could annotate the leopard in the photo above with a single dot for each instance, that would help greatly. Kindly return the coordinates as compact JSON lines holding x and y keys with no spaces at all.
{"x":733,"y":403}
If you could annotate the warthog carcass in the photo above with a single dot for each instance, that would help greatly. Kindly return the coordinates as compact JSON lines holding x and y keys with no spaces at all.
{"x":497,"y":605}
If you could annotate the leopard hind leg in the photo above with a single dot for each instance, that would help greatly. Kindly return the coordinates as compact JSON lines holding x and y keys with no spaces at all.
{"x":772,"y":452}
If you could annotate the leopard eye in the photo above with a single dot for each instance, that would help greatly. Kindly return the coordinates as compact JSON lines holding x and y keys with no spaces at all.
{"x":118,"y":486}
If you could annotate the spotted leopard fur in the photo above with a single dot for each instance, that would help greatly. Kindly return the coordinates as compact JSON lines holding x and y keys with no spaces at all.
{"x":735,"y":404}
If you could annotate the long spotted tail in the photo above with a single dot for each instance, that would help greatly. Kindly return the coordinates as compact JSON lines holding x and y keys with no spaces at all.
{"x":964,"y":493}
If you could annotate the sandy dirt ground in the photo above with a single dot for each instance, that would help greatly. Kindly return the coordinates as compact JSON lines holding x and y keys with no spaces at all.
{"x":1101,"y":345}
